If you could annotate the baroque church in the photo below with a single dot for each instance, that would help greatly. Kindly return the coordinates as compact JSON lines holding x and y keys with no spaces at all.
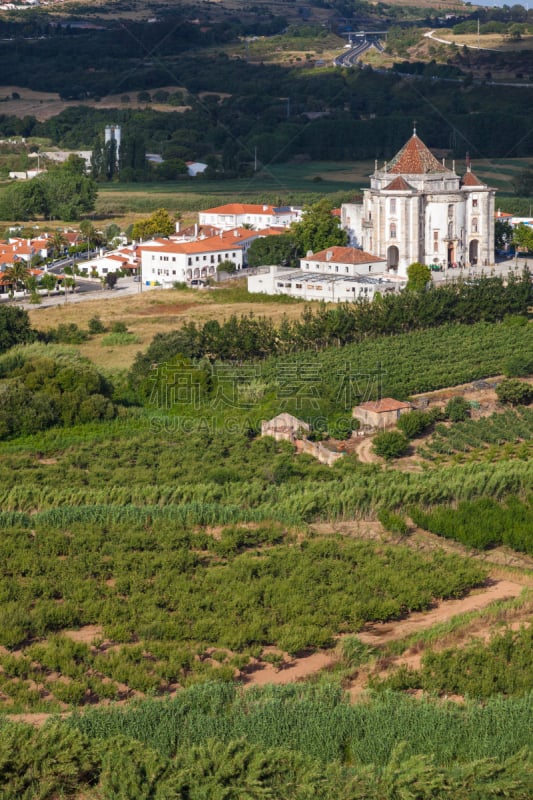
{"x":417,"y":209}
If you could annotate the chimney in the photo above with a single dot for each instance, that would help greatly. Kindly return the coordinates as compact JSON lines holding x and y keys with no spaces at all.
{"x":329,"y":255}
{"x":196,"y":230}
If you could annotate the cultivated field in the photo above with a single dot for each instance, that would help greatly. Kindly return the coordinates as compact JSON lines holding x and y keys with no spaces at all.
{"x":45,"y":105}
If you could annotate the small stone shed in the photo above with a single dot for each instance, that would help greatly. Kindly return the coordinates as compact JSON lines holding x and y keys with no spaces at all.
{"x":285,"y":426}
{"x":379,"y":414}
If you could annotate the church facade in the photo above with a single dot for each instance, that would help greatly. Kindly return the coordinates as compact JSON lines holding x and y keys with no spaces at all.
{"x":417,"y":209}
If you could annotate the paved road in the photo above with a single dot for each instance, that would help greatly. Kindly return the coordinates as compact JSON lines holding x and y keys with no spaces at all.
{"x":350,"y":57}
{"x":502,"y":268}
{"x":90,"y":290}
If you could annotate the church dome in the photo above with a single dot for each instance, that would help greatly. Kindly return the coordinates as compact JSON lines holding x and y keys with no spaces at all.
{"x":415,"y":159}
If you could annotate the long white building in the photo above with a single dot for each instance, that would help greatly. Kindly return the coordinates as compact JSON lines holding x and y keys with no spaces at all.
{"x":335,"y":275}
{"x":233,"y":215}
{"x":417,"y":209}
{"x":165,"y":262}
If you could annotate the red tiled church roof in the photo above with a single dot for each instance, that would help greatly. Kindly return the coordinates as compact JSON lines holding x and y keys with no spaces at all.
{"x":469,"y":179}
{"x":414,"y":159}
{"x":399,"y":184}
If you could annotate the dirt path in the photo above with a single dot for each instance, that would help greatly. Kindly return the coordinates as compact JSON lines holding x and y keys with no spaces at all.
{"x":295,"y":670}
{"x":365,"y":454}
{"x":380,"y":632}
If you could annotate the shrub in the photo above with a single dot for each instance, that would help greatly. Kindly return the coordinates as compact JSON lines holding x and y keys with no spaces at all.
{"x":518,"y":366}
{"x":413,"y":423}
{"x":390,"y":444}
{"x":514,"y":392}
{"x":118,"y":339}
{"x":457,"y":409}
{"x":66,"y":333}
{"x":119,"y":327}
{"x":96,"y":325}
{"x":392,"y":522}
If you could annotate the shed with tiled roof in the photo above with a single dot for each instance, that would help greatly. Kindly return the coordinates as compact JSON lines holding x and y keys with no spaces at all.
{"x":384,"y":413}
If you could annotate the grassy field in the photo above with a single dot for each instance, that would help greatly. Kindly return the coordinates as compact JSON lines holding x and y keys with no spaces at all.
{"x":156,"y":311}
{"x":493,"y":41}
{"x":45,"y":105}
{"x":293,"y":183}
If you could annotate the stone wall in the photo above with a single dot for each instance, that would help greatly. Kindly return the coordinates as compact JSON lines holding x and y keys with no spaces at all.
{"x":319,"y":451}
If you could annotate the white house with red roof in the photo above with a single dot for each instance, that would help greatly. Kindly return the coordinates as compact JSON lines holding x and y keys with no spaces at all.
{"x":335,"y":275}
{"x":234,"y":215}
{"x":165,"y":263}
{"x":418,"y":209}
{"x":122,"y":260}
{"x":344,"y":261}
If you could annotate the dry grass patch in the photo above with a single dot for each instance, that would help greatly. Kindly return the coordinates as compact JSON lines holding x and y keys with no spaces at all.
{"x":157,"y":311}
{"x":45,"y":105}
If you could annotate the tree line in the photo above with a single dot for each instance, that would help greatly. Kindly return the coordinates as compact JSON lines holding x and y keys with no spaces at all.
{"x":249,"y":337}
{"x":63,"y":192}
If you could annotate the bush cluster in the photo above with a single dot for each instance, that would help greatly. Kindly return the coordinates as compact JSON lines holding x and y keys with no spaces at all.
{"x":41,"y":392}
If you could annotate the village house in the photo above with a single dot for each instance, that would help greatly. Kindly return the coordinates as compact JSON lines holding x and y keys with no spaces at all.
{"x":318,"y":286}
{"x":124,"y":259}
{"x":167,"y":262}
{"x":195,"y":168}
{"x":343,"y":261}
{"x":379,"y":414}
{"x":285,"y":427}
{"x":234,"y":215}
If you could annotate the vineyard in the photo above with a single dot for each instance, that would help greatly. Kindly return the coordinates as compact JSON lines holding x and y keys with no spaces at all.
{"x":485,"y":436}
{"x":503,"y":666}
{"x":156,"y":555}
{"x":482,"y":523}
{"x":290,"y":742}
{"x":163,"y":597}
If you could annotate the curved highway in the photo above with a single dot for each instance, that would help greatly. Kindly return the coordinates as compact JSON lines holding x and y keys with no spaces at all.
{"x":350,"y":57}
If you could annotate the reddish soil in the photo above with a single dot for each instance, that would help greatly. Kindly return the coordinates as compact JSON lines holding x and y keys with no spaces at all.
{"x":85,"y":635}
{"x":381,"y":632}
{"x":290,"y":671}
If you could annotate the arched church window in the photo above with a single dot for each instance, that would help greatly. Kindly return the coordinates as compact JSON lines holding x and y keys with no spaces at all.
{"x":450,"y":211}
{"x":392,"y":205}
{"x":393,"y":230}
{"x":474,"y":225}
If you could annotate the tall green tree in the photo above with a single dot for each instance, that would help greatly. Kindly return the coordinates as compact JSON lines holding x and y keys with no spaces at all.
{"x":523,"y":238}
{"x":15,"y":327}
{"x":18,"y":274}
{"x":160,"y":223}
{"x":503,"y":233}
{"x":318,"y":229}
{"x":418,"y":276}
{"x":59,"y":242}
{"x":273,"y":250}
